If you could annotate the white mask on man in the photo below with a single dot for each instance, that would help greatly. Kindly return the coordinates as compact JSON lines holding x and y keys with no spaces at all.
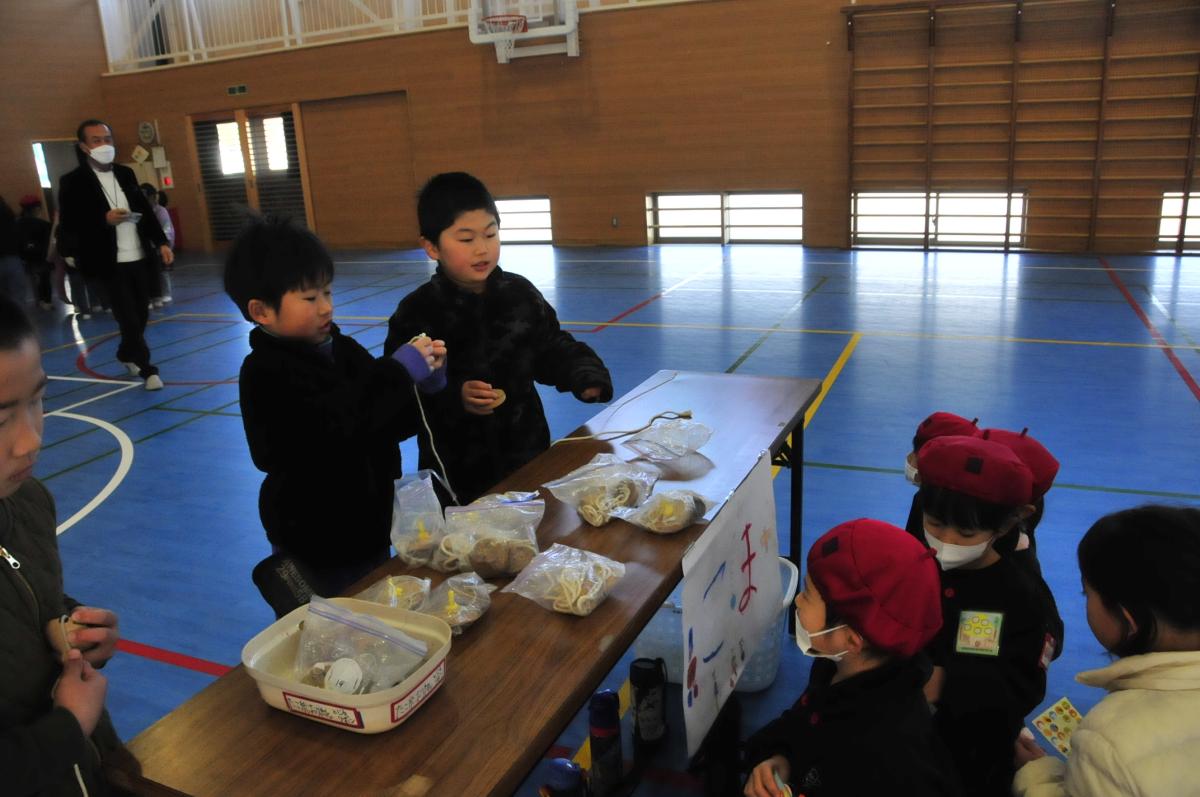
{"x":103,"y":154}
{"x":952,"y":556}
{"x":804,"y":641}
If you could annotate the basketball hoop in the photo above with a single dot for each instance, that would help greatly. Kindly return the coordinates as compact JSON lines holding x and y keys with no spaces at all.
{"x":506,"y":23}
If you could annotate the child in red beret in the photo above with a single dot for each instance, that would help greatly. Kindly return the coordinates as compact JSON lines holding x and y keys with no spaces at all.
{"x":991,"y":655}
{"x":869,"y":606}
{"x":938,"y":424}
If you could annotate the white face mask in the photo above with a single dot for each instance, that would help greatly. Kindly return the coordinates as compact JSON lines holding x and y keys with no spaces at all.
{"x":910,"y":472}
{"x":804,"y":641}
{"x":952,"y":556}
{"x":103,"y":154}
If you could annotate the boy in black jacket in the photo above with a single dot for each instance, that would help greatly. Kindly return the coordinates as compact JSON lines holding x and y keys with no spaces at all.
{"x":323,"y":417}
{"x":504,"y":335}
{"x":869,"y":605}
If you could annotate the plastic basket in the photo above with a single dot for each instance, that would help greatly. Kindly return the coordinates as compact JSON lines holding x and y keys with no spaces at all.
{"x":270,"y":656}
{"x":663,"y":638}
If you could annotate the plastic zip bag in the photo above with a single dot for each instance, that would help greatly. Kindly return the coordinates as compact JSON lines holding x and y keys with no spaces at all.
{"x":355,"y":654}
{"x":417,"y":522}
{"x":568,"y":580}
{"x":459,"y":600}
{"x":398,"y":592}
{"x":667,"y":512}
{"x":670,"y":439}
{"x":502,"y":530}
{"x":603,"y":485}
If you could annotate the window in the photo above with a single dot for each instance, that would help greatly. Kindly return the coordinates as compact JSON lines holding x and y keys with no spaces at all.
{"x":525,"y":221}
{"x":954,"y":219}
{"x":230,"y":145}
{"x":39,"y":158}
{"x":274,"y":138}
{"x":1172,"y":212}
{"x":765,"y":217}
{"x":730,"y":217}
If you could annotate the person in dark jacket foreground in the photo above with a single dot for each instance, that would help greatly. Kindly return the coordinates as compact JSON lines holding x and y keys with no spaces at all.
{"x":869,"y":605}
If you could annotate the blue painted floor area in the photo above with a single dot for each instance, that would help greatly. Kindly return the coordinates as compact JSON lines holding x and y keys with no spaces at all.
{"x":1055,"y":343}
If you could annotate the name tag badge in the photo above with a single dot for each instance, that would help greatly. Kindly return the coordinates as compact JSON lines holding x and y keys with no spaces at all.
{"x":979,"y":633}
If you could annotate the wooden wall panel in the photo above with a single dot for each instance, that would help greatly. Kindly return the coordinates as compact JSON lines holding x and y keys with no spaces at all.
{"x":51,"y":59}
{"x":722,"y":95}
{"x":360,"y":170}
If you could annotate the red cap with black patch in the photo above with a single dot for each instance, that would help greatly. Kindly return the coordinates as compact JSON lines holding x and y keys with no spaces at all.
{"x":881,"y":581}
{"x":983,"y":469}
{"x":1041,"y":463}
{"x":943,"y":424}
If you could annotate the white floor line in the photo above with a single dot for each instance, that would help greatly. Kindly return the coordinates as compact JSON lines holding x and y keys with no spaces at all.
{"x":91,"y":379}
{"x":119,"y":476}
{"x":125,"y":386}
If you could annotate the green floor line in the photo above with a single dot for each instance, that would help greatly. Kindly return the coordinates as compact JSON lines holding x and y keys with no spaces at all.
{"x":201,"y":412}
{"x":763,"y":338}
{"x":1091,"y":488}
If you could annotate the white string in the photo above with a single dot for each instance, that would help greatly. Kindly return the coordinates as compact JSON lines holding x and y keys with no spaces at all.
{"x":443,"y":477}
{"x":605,"y":436}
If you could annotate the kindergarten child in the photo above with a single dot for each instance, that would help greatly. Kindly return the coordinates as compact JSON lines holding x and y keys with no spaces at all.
{"x":938,"y":424}
{"x":505,"y":337}
{"x":991,"y":655}
{"x":55,"y":734}
{"x":323,"y":417}
{"x":862,"y":727}
{"x":1141,"y":577}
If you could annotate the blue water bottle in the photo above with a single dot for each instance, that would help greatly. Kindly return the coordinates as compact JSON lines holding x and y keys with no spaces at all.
{"x":564,"y":779}
{"x":604,"y":733}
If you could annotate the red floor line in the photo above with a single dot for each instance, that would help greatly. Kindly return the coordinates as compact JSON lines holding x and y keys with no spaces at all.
{"x":1154,"y":333}
{"x":81,"y":364}
{"x":171,"y":657}
{"x":621,"y":315}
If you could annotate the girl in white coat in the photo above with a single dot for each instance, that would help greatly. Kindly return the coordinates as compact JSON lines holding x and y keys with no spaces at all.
{"x":1141,"y":576}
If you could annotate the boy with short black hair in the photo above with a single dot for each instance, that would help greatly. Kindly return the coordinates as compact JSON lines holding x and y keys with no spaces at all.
{"x":55,"y":735}
{"x":505,"y":337}
{"x":862,"y":727}
{"x":323,"y":417}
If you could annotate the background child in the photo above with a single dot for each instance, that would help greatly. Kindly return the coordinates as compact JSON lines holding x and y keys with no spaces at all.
{"x":1141,"y":577}
{"x":504,"y":335}
{"x":862,"y":727}
{"x":55,"y":735}
{"x":323,"y":417}
{"x":997,"y":641}
{"x":938,"y":424}
{"x":160,"y":286}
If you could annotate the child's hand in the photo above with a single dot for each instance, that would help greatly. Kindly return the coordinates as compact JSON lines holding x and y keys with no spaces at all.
{"x":933,"y":687}
{"x":761,"y":782}
{"x":100,"y":640}
{"x":425,"y":346}
{"x":81,"y":690}
{"x":591,"y":394}
{"x":1026,"y":749}
{"x":439,"y":354}
{"x":478,"y":397}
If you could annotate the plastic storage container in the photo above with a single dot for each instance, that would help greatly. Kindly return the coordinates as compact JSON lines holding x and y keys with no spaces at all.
{"x":663,"y":638}
{"x":271,"y":655}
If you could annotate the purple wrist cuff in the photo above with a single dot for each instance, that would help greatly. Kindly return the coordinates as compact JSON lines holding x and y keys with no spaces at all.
{"x":413,"y":362}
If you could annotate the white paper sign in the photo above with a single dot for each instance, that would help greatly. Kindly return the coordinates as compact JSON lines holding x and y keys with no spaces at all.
{"x":731,"y":594}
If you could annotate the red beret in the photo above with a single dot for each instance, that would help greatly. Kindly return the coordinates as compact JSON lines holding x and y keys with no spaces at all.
{"x":982,"y":469}
{"x":941,"y":424}
{"x":1041,"y":463}
{"x":881,"y":581}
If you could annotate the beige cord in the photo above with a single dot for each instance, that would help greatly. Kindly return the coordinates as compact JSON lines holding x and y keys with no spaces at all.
{"x":669,"y":415}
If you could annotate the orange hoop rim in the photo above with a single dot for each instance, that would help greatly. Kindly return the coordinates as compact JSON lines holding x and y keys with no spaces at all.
{"x":511,"y":23}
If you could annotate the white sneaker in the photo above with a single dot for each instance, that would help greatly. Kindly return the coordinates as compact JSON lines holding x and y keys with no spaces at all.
{"x":154,"y":382}
{"x":158,"y":303}
{"x":132,"y":369}
{"x":167,"y":299}
{"x":84,"y":316}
